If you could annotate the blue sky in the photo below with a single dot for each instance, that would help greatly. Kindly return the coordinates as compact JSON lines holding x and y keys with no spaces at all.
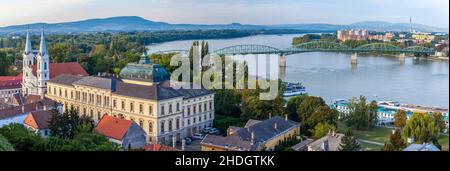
{"x":430,"y":12}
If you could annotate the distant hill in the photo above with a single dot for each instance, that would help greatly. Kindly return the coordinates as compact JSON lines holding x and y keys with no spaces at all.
{"x":133,"y":23}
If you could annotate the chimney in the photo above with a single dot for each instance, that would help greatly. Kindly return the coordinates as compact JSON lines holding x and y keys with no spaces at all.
{"x":275,"y":126}
{"x":23,"y":108}
{"x":252,"y":138}
{"x":270,"y":115}
{"x":286,"y":117}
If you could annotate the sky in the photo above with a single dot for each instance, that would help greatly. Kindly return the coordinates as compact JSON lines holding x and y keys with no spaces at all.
{"x":261,"y":12}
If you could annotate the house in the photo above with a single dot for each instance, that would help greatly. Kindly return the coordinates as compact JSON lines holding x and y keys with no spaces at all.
{"x":159,"y":147}
{"x":21,"y":106}
{"x":330,"y":142}
{"x":255,"y":136}
{"x":302,"y":146}
{"x":39,"y":121}
{"x":422,"y":147}
{"x":121,"y":131}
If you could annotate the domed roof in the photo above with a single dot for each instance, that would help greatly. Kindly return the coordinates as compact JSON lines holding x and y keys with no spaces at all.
{"x":144,"y":70}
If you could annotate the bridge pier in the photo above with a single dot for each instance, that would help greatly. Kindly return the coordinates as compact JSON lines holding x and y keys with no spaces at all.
{"x":282,"y":60}
{"x":402,"y":57}
{"x":354,"y":58}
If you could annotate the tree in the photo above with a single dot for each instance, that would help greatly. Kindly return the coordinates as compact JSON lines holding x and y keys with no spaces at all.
{"x":292,"y":104}
{"x":324,"y":114}
{"x":400,"y":118}
{"x":349,"y":143}
{"x":321,"y":130}
{"x":422,"y":128}
{"x":227,"y":103}
{"x":5,"y":145}
{"x":396,"y":142}
{"x":438,"y":119}
{"x":64,"y":125}
{"x":306,"y":109}
{"x":21,"y":138}
{"x":362,"y":116}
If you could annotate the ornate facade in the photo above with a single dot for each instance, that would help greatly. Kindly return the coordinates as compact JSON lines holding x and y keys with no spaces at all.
{"x":143,"y":94}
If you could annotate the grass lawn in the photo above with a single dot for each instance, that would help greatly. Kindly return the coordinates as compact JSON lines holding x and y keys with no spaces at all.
{"x":381,"y":135}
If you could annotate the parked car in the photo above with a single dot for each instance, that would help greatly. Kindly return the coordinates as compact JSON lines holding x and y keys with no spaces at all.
{"x":198,"y":136}
{"x":214,"y":131}
{"x":206,"y":130}
{"x":188,"y":141}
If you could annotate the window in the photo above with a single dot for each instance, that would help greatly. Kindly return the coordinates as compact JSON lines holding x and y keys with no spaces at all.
{"x":205,"y":107}
{"x":204,"y":117}
{"x":99,"y":116}
{"x":60,"y":93}
{"x":162,"y":110}
{"x":65,"y":93}
{"x":178,"y":107}
{"x":177,"y":123}
{"x":141,"y":108}
{"x":189,"y":122}
{"x":189,"y":111}
{"x":91,"y":114}
{"x":150,"y":127}
{"x":162,"y":126}
{"x":194,"y":121}
{"x":71,"y":94}
{"x":170,"y":108}
{"x":141,"y":123}
{"x":114,"y":103}
{"x":195,"y":110}
{"x":132,"y":106}
{"x":210,"y":105}
{"x":123,"y":105}
{"x":199,"y":118}
{"x":150,"y":110}
{"x":170,"y":125}
{"x":45,"y":66}
{"x":200,"y":107}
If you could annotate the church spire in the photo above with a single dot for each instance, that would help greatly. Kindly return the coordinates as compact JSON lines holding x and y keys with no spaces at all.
{"x":28,"y":43}
{"x":43,"y":46}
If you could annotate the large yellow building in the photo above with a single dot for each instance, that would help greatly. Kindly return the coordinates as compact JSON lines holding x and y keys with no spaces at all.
{"x":255,"y":136}
{"x":143,"y":94}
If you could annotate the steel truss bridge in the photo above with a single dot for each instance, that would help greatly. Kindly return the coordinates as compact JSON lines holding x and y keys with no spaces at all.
{"x":316,"y":46}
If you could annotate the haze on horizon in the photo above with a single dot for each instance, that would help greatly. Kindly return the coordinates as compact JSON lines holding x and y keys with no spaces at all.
{"x":261,"y":12}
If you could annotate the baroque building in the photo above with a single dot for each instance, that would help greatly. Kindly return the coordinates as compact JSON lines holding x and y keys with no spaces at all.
{"x":142,"y":94}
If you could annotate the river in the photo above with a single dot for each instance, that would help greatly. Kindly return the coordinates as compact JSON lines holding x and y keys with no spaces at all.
{"x":331,"y":76}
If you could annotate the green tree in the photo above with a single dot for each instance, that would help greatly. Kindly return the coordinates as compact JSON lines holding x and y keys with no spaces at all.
{"x":349,"y":142}
{"x":321,"y":130}
{"x":362,"y":116}
{"x":64,"y":125}
{"x":227,"y":103}
{"x":422,"y":128}
{"x":21,"y":138}
{"x":400,"y":118}
{"x":292,"y":104}
{"x":324,"y":114}
{"x":5,"y":145}
{"x":438,"y":119}
{"x":396,"y":142}
{"x":309,"y":105}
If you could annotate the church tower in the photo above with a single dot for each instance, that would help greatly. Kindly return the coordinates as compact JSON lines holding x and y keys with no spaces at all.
{"x":28,"y":62}
{"x":43,"y":68}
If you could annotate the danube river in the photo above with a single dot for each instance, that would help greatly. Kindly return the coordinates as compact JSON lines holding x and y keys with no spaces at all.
{"x":331,"y":76}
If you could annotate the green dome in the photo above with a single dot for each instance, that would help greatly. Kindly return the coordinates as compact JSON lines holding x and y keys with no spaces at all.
{"x":144,"y":70}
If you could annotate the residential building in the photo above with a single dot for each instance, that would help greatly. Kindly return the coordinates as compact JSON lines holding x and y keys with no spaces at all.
{"x":35,"y":76}
{"x":121,"y":131}
{"x":330,"y":142}
{"x":142,"y":94}
{"x":422,"y":147}
{"x":17,"y":112}
{"x":39,"y":121}
{"x":423,"y":38}
{"x":9,"y":86}
{"x":345,"y":35}
{"x":387,"y":37}
{"x":255,"y":136}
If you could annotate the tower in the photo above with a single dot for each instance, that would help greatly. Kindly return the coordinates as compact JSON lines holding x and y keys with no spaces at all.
{"x":43,"y":74}
{"x":28,"y":62}
{"x":410,"y":25}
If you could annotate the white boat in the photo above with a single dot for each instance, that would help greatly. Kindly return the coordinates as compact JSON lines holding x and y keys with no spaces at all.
{"x":293,"y":89}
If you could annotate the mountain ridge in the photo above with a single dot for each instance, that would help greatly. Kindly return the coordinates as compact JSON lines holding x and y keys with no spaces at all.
{"x":136,"y":23}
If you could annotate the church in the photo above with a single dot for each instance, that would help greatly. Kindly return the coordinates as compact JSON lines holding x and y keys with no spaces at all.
{"x":37,"y":69}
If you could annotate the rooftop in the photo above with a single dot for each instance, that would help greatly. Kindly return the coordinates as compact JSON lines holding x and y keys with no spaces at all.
{"x":422,"y":147}
{"x":113,"y":127}
{"x":72,"y":68}
{"x":145,"y":71}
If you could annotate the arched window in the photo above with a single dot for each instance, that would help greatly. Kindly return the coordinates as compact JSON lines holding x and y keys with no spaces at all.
{"x":170,"y":125}
{"x":150,"y":127}
{"x":170,"y":108}
{"x":162,"y":127}
{"x":177,"y":123}
{"x":45,"y":65}
{"x":141,"y":123}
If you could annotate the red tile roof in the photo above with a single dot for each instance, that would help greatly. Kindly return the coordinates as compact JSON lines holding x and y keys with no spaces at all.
{"x":10,"y":82}
{"x":38,"y":119}
{"x":159,"y":147}
{"x":71,"y":68}
{"x":113,"y":127}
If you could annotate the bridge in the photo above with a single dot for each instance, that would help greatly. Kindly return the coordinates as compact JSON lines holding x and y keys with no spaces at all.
{"x":320,"y":46}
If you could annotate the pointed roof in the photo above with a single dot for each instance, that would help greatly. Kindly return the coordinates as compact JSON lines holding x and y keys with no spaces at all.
{"x":28,"y":44}
{"x":43,"y":46}
{"x":113,"y":127}
{"x":38,"y":119}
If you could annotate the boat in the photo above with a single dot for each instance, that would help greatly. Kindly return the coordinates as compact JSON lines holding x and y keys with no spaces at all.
{"x":293,"y":89}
